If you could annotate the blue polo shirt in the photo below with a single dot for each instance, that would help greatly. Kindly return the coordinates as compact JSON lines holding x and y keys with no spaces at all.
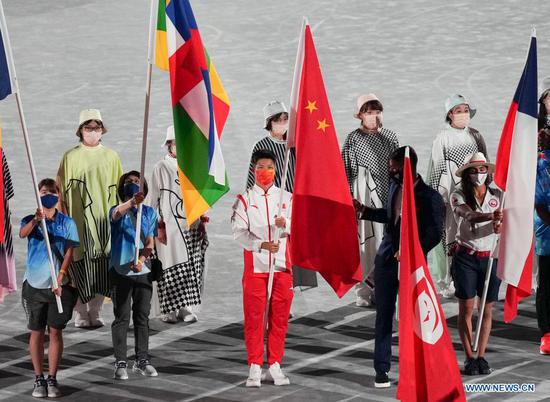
{"x":542,"y":196}
{"x":123,"y":232}
{"x":62,"y":230}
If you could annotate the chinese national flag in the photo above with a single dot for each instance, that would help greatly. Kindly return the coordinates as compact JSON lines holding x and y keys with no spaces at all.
{"x":324,"y":226}
{"x":428,"y":370}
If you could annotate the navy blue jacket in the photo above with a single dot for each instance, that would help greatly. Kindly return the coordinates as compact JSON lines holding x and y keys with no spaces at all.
{"x":430,"y":216}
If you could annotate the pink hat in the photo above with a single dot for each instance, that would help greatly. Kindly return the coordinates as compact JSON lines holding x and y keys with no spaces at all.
{"x":361,"y":100}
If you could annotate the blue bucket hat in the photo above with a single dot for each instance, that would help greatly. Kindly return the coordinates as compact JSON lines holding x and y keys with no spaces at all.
{"x":455,"y":100}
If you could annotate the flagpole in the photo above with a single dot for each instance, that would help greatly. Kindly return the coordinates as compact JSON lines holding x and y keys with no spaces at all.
{"x":486,"y":287}
{"x":276,"y":237}
{"x":291,"y":135}
{"x":29,"y":152}
{"x":407,"y":155}
{"x":152,"y":20}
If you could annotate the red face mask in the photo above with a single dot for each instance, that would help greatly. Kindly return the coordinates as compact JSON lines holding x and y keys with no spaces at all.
{"x":265,"y":176}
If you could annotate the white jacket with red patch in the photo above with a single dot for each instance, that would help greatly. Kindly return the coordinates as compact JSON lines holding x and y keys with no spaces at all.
{"x":253,"y":222}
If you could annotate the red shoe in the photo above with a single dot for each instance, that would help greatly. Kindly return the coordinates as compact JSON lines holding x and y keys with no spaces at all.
{"x":545,"y":344}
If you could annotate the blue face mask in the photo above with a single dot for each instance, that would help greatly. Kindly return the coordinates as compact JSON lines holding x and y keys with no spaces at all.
{"x":49,"y":200}
{"x":130,"y":189}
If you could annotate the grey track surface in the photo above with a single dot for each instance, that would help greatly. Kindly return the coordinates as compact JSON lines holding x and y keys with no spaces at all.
{"x":74,"y":54}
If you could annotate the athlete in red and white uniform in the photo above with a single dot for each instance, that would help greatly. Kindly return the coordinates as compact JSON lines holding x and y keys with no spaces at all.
{"x":255,"y":225}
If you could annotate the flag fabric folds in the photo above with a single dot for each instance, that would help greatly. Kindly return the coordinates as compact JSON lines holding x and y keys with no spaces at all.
{"x":515,"y":173}
{"x":428,"y":370}
{"x":161,"y":41}
{"x":200,"y":108}
{"x":2,"y":193}
{"x":324,"y":226}
{"x":6,"y":82}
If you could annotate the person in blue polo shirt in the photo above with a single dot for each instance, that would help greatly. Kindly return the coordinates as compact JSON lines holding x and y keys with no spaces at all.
{"x":131,"y":283}
{"x":38,"y":297}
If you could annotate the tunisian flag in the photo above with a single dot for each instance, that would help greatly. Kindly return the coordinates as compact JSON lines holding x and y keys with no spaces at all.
{"x":515,"y":173}
{"x":324,"y":227}
{"x":428,"y":370}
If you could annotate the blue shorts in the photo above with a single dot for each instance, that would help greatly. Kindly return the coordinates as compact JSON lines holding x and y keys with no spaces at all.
{"x":468,"y":272}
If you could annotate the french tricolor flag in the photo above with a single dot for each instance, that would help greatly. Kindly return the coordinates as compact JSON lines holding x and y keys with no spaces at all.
{"x":515,"y":173}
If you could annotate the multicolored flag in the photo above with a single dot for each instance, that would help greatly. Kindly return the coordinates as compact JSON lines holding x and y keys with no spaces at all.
{"x":324,"y":226}
{"x":428,"y":370}
{"x":200,"y":108}
{"x":161,"y":41}
{"x":515,"y":173}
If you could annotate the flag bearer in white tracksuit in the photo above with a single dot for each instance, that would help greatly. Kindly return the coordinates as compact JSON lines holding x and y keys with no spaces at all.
{"x":255,"y":224}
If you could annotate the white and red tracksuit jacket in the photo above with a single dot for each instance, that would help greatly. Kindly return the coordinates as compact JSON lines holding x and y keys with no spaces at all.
{"x":253,"y":223}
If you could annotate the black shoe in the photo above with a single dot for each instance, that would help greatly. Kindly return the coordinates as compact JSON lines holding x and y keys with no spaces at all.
{"x":471,"y":367}
{"x":483,"y":365}
{"x":382,"y":380}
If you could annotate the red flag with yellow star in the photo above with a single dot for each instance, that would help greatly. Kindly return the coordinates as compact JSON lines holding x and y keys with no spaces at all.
{"x":324,"y":226}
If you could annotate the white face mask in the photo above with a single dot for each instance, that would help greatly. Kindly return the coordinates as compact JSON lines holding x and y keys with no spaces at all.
{"x":460,"y":120}
{"x":478,"y":178}
{"x":372,"y":121}
{"x":279,"y":128}
{"x":92,"y":138}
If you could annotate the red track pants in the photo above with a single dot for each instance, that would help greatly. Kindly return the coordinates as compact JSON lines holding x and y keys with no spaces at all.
{"x":254,"y":303}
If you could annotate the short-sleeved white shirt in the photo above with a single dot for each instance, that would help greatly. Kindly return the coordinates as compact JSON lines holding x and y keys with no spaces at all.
{"x":477,"y":236}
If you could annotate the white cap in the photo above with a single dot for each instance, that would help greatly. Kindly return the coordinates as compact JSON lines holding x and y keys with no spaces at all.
{"x":273,"y":108}
{"x":170,"y":135}
{"x":87,"y":115}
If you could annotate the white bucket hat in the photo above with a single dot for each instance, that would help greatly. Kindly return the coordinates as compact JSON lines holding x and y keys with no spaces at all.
{"x":361,"y":100}
{"x":87,"y":115}
{"x":273,"y":108}
{"x":455,"y":100}
{"x":475,"y":160}
{"x":170,"y":135}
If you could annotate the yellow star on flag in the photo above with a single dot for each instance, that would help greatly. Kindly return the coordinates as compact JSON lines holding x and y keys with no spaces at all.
{"x":322,"y":124}
{"x":311,"y":106}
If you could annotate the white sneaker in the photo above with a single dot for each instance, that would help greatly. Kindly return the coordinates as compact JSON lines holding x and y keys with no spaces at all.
{"x":81,"y":321}
{"x":190,"y":318}
{"x":53,"y":388}
{"x":276,"y":375}
{"x":144,"y":367}
{"x":254,"y":376}
{"x":449,"y":291}
{"x":120,"y":370}
{"x":187,"y":315}
{"x":360,"y":302}
{"x":170,"y":318}
{"x":40,"y":389}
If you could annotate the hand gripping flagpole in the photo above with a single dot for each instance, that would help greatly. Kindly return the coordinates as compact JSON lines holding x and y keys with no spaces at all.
{"x":152,"y":20}
{"x":11,"y":66}
{"x":486,"y":285}
{"x":11,"y":63}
